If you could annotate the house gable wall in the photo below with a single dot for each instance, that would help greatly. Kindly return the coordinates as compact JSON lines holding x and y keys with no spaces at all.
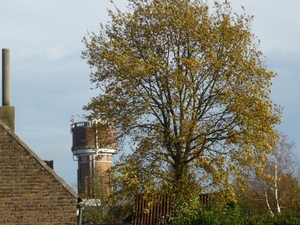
{"x":30,"y":191}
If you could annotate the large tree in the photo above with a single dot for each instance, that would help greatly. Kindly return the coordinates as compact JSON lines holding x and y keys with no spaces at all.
{"x":186,"y":85}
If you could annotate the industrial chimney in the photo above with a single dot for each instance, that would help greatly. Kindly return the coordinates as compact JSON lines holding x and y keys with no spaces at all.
{"x":7,"y":112}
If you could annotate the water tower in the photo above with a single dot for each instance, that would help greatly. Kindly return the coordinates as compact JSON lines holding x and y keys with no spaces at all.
{"x":94,"y":144}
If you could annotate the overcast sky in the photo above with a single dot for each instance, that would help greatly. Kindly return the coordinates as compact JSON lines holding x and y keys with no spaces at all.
{"x":50,"y":81}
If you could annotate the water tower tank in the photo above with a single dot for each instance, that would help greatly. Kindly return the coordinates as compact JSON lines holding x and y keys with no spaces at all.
{"x":84,"y":142}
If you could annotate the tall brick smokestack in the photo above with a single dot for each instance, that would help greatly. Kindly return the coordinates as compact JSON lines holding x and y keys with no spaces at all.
{"x":5,"y":77}
{"x":7,"y":112}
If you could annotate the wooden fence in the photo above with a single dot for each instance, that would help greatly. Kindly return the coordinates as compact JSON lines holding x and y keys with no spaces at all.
{"x":152,"y":211}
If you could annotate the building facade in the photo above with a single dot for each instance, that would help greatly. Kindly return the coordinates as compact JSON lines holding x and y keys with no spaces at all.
{"x":30,"y":191}
{"x":94,"y":144}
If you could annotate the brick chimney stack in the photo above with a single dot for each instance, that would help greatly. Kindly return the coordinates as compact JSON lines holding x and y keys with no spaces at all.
{"x":7,"y":112}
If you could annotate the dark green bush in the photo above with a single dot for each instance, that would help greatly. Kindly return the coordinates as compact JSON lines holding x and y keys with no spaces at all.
{"x":230,"y":217}
{"x":223,"y":213}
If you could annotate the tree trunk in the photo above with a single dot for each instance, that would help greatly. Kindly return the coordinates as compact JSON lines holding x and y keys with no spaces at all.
{"x":276,"y":187}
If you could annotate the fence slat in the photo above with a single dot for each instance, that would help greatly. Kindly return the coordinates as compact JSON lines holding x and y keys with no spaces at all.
{"x":162,"y":206}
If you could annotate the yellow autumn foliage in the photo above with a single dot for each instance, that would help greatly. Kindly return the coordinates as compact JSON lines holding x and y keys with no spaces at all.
{"x":185,"y":85}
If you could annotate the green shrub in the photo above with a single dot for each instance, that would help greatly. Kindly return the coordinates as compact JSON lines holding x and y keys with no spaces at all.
{"x":233,"y":218}
{"x":219,"y":213}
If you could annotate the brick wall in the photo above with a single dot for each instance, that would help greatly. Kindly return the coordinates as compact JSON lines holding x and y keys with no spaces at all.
{"x":30,"y":191}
